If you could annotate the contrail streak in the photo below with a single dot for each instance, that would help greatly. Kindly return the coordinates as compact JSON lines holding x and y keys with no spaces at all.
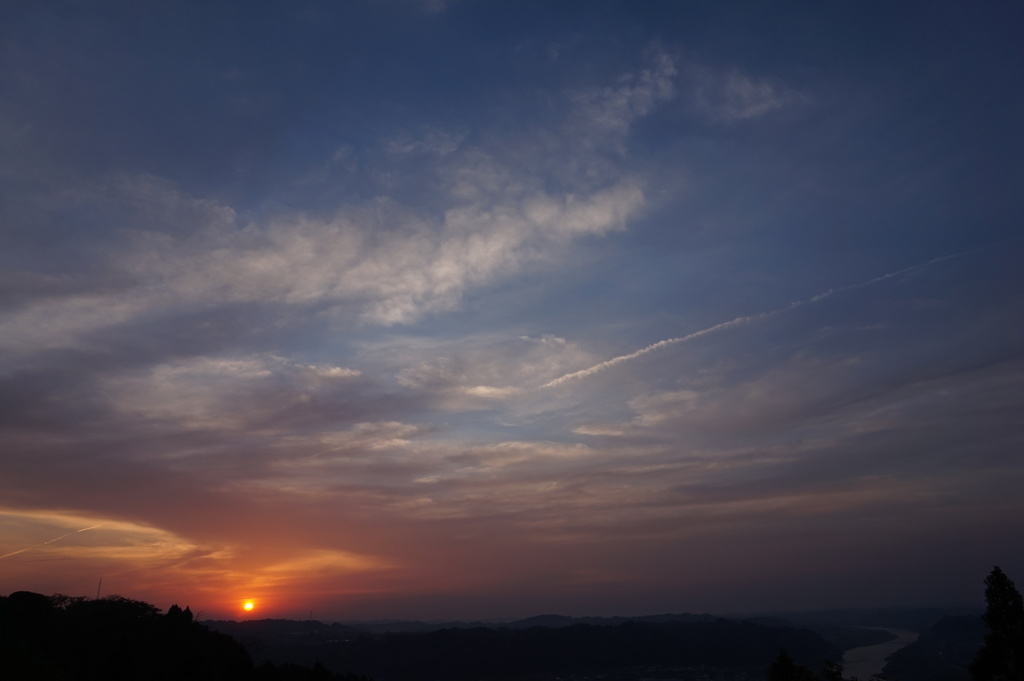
{"x":14,"y":553}
{"x":740,"y":321}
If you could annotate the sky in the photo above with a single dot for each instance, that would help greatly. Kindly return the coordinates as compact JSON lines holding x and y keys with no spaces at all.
{"x":449,"y":309}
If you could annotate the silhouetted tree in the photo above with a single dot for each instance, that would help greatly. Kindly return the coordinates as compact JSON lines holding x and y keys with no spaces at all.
{"x":784,"y":668}
{"x":63,"y":601}
{"x":1001,"y":658}
{"x":178,"y":616}
{"x":110,"y":639}
{"x":833,"y":671}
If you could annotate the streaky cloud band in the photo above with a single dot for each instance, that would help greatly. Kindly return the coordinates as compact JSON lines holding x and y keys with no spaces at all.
{"x":29,"y":548}
{"x":749,"y":319}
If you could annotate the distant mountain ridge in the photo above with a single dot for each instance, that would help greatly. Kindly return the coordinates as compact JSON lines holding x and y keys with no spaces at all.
{"x":546,"y":645}
{"x":942,"y":653}
{"x":549,"y":621}
{"x":914,"y":619}
{"x":114,"y":637}
{"x":354,"y":645}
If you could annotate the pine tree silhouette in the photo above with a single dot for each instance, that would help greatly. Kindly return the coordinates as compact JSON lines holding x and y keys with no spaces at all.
{"x":1001,"y":658}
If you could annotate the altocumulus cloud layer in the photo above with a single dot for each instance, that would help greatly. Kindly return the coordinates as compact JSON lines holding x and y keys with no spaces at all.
{"x":461,"y":309}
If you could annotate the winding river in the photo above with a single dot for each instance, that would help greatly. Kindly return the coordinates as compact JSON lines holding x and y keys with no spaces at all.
{"x":866,"y":661}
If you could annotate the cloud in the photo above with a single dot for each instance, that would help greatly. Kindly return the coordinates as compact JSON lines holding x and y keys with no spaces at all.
{"x":48,"y":541}
{"x":386,"y":265}
{"x":775,"y":399}
{"x":600,"y":429}
{"x":305,"y":361}
{"x":435,"y":6}
{"x":608,"y":112}
{"x":664,"y":406}
{"x":472,"y":372}
{"x":379,"y":261}
{"x":431,"y":141}
{"x":601,"y":366}
{"x":131,"y":553}
{"x":744,"y":320}
{"x":227,"y":392}
{"x":731,"y":96}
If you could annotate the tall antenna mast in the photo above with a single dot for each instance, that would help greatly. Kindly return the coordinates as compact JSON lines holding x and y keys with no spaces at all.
{"x":98,"y":588}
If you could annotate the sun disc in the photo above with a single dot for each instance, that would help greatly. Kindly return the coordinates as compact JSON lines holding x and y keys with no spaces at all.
{"x":248,"y":605}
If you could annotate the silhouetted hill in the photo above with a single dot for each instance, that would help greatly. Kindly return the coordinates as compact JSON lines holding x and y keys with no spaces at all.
{"x":541,"y":621}
{"x":277,"y":627}
{"x":942,"y":653}
{"x":841,"y":636}
{"x":62,"y":638}
{"x":307,"y":641}
{"x":111,"y":638}
{"x":913,"y":619}
{"x":565,"y":621}
{"x":510,"y":651}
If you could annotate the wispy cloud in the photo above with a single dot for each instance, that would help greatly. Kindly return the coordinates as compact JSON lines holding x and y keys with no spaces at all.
{"x":730,"y":96}
{"x":228,"y":392}
{"x":611,"y":110}
{"x":382,"y":262}
{"x":45,"y":543}
{"x":740,"y":321}
{"x":328,"y":322}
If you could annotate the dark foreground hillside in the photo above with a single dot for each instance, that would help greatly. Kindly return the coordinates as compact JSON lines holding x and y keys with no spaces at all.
{"x":627,"y":650}
{"x":943,"y":653}
{"x":59,"y":638}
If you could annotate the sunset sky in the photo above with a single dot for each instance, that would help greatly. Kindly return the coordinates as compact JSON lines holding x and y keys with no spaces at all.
{"x":467,"y":308}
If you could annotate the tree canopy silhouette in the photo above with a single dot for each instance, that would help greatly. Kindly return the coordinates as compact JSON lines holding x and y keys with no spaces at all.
{"x":64,"y":638}
{"x":785,"y":668}
{"x":1001,"y":658}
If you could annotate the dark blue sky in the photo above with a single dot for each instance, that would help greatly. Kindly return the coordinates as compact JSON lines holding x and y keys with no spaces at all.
{"x":469,"y":309}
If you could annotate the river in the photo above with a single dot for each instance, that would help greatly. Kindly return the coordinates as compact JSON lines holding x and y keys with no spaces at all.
{"x":866,"y":661}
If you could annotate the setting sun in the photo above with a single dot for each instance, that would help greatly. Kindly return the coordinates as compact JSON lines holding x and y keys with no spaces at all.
{"x":248,"y":605}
